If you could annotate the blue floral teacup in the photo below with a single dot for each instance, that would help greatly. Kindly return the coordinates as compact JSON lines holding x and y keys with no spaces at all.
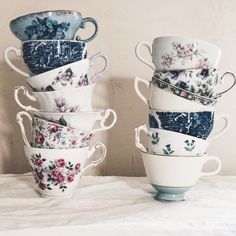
{"x":198,"y":124}
{"x":60,"y":24}
{"x":43,"y":55}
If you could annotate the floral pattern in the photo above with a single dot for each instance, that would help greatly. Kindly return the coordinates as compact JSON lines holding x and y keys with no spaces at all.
{"x":167,"y":150}
{"x":184,"y":53}
{"x":46,"y":28}
{"x":55,"y":174}
{"x":155,"y":138}
{"x":42,"y":56}
{"x":52,"y":135}
{"x":61,"y":106}
{"x":190,"y":145}
{"x":197,"y":124}
{"x":183,"y":93}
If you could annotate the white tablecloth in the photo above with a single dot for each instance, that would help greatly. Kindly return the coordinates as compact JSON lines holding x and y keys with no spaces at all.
{"x":117,"y":206}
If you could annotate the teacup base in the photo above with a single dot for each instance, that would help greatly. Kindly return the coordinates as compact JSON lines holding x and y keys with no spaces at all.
{"x":43,"y":195}
{"x":170,"y":194}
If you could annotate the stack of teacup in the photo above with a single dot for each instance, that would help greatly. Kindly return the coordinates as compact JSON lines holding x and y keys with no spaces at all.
{"x":58,"y":74}
{"x":181,"y":99}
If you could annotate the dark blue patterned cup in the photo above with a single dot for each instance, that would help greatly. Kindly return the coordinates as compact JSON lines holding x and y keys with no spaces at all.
{"x":197,"y":124}
{"x":44,"y":55}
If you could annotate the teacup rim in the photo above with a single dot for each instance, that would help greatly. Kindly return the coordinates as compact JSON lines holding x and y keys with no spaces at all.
{"x":160,"y":110}
{"x":52,"y":40}
{"x":188,"y":69}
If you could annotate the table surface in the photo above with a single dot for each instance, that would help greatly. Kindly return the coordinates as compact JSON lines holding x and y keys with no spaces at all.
{"x":117,"y":206}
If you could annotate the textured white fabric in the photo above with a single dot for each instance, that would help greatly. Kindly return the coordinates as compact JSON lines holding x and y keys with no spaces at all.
{"x":117,"y":206}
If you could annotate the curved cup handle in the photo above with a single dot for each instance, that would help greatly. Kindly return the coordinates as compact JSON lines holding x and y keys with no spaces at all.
{"x":92,"y":151}
{"x":18,"y":54}
{"x":26,"y":93}
{"x":103,"y":119}
{"x":227,"y":121}
{"x":138,"y":143}
{"x":102,"y":71}
{"x":138,"y":80}
{"x":232,"y":75}
{"x":138,"y":55}
{"x":94,"y":22}
{"x":19,"y":120}
{"x":214,"y":172}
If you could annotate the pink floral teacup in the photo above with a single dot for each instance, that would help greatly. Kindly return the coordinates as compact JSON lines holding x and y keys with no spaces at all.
{"x":50,"y":135}
{"x":57,"y":171}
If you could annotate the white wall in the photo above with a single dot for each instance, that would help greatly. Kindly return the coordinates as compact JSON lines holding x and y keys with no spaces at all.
{"x":122,"y":24}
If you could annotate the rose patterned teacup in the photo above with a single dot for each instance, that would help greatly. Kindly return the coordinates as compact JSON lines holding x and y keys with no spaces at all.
{"x":46,"y":134}
{"x":198,"y":124}
{"x":178,"y":53}
{"x":169,"y":143}
{"x":203,"y":82}
{"x":159,"y":98}
{"x":57,"y":171}
{"x":85,"y":120}
{"x":68,"y":100}
{"x":172,"y":177}
{"x":58,"y":24}
{"x":44,"y":55}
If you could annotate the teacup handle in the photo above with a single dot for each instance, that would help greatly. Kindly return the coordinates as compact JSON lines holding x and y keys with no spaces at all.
{"x":138,"y":80}
{"x":103,"y":119}
{"x":214,"y":172}
{"x":138,"y":143}
{"x":226,"y":119}
{"x":92,"y":151}
{"x":234,"y":82}
{"x":94,"y":22}
{"x":102,"y":71}
{"x":19,"y":120}
{"x":138,"y":55}
{"x":26,"y":93}
{"x":18,"y":54}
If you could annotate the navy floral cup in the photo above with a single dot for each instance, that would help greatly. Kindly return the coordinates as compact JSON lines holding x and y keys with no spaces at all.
{"x":59,"y":24}
{"x":198,"y":124}
{"x":43,"y":55}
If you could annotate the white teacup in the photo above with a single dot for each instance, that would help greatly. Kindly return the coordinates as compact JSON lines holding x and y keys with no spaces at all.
{"x":69,"y":100}
{"x":57,"y":171}
{"x":178,"y":53}
{"x":172,"y":177}
{"x":85,"y":120}
{"x":170,"y":143}
{"x":160,"y":99}
{"x":70,"y":76}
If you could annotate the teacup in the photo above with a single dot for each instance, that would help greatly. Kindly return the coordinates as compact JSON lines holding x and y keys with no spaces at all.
{"x":59,"y":24}
{"x":198,"y":124}
{"x":159,"y":98}
{"x":57,"y":171}
{"x":203,"y":82}
{"x":172,"y":177}
{"x":44,"y":55}
{"x":46,"y":134}
{"x":85,"y":120}
{"x":67,"y":100}
{"x":70,"y":76}
{"x":165,"y":142}
{"x":178,"y":53}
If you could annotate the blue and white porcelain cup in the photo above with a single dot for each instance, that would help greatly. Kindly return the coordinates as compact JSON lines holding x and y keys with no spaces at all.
{"x":198,"y":124}
{"x":44,"y":55}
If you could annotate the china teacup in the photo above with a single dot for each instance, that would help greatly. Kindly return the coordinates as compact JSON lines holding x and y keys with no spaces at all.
{"x":178,"y":53}
{"x":70,"y":76}
{"x":159,"y":98}
{"x":57,"y":171}
{"x":67,"y":100}
{"x":44,"y":55}
{"x":46,"y":134}
{"x":165,"y":142}
{"x":59,"y":24}
{"x":172,"y":177}
{"x":198,"y":124}
{"x":84,"y":120}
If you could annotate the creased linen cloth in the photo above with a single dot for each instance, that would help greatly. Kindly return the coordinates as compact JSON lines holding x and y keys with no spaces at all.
{"x":117,"y":206}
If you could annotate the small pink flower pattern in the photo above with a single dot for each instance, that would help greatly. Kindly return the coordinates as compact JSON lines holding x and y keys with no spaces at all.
{"x":56,"y":174}
{"x":61,"y":106}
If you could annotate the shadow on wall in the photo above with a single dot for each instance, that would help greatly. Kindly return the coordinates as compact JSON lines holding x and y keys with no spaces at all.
{"x":123,"y":158}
